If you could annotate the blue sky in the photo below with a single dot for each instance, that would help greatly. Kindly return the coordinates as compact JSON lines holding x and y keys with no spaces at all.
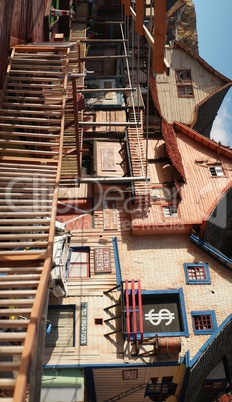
{"x":214,"y":25}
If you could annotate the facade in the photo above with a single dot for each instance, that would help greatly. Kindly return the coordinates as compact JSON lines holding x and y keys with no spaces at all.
{"x":143,"y":301}
{"x":139,"y":301}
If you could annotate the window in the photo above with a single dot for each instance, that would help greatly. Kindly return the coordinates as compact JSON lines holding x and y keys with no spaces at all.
{"x":98,"y":321}
{"x":78,"y":263}
{"x":167,"y":379}
{"x":184,"y":83}
{"x":204,"y":322}
{"x":197,"y":273}
{"x":160,"y":391}
{"x":170,"y":211}
{"x":216,"y":171}
{"x":163,"y":314}
{"x":215,"y":385}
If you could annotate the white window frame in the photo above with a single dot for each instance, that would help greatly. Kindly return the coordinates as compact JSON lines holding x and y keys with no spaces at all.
{"x":78,"y":264}
{"x":216,"y":171}
{"x":170,"y":211}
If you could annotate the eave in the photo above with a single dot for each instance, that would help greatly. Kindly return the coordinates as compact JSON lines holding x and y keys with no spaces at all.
{"x":210,"y":144}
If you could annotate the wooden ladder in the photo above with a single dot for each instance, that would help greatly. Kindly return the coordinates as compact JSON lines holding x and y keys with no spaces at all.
{"x":32,"y":120}
{"x":138,"y":157}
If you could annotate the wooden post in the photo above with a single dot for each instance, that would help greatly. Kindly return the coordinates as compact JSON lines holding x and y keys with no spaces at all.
{"x":139,"y":16}
{"x":159,"y":36}
{"x":75,"y":106}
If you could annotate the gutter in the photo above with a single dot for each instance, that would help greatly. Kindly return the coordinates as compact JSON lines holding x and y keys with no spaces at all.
{"x":216,"y":254}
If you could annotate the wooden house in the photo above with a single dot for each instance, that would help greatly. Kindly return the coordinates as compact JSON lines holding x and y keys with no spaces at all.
{"x":141,"y":292}
{"x":115,"y":214}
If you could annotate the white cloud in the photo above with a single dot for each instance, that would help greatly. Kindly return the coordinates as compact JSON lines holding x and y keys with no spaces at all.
{"x":222,"y":126}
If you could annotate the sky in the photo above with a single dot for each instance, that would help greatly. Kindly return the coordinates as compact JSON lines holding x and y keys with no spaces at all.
{"x":214,"y":25}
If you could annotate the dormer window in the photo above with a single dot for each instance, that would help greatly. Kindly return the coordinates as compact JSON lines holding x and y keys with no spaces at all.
{"x":184,"y":83}
{"x":170,"y":211}
{"x":216,"y":170}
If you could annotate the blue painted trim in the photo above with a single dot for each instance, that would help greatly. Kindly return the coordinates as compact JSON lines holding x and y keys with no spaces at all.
{"x":121,"y":365}
{"x":180,"y":293}
{"x":90,"y":384}
{"x":210,"y":340}
{"x":116,"y":261}
{"x":213,"y":318}
{"x":185,"y":360}
{"x":197,"y":281}
{"x":220,"y":257}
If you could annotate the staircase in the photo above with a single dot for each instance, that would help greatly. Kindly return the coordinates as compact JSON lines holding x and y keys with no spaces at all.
{"x":32,"y":118}
{"x":138,"y":158}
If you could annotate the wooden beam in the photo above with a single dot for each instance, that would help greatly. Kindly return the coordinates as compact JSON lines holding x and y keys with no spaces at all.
{"x":75,"y":107}
{"x":139,"y":16}
{"x":108,"y":90}
{"x":159,"y":36}
{"x":97,"y":57}
{"x":146,"y":32}
{"x":103,"y":41}
{"x":110,"y":123}
{"x":127,"y":7}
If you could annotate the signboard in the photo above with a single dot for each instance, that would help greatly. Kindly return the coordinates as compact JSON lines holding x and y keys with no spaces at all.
{"x":108,"y":159}
{"x":161,"y":314}
{"x":83,"y":324}
{"x":110,"y":215}
{"x":130,"y":374}
{"x":102,"y":260}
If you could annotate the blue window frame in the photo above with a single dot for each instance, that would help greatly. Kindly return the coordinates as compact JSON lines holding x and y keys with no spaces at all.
{"x":204,"y":322}
{"x":164,"y":313}
{"x":197,"y":273}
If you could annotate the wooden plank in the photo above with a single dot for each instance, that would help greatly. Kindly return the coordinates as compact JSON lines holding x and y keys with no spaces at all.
{"x":31,"y":126}
{"x":43,"y":106}
{"x":34,"y":71}
{"x":28,"y":119}
{"x":17,"y":293}
{"x":27,"y":151}
{"x":23,"y":236}
{"x":43,"y":161}
{"x":9,"y":366}
{"x":19,"y":277}
{"x":35,"y":79}
{"x":25,"y":228}
{"x":14,"y":323}
{"x":23,"y":113}
{"x":35,"y":135}
{"x":35,"y":244}
{"x":17,"y":303}
{"x":30,"y":143}
{"x":12,"y":350}
{"x":19,"y":284}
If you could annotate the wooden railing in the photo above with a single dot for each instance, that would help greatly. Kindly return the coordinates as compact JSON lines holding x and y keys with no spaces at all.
{"x":32,"y":119}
